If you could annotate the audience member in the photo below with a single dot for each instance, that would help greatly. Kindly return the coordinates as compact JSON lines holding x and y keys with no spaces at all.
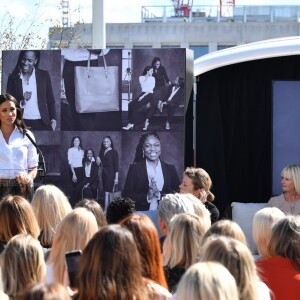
{"x":95,"y":208}
{"x":289,"y":200}
{"x":197,"y":181}
{"x":73,"y":233}
{"x":110,"y":267}
{"x":147,"y":241}
{"x":43,"y":291}
{"x":181,"y":248}
{"x":50,"y":206}
{"x":207,"y":281}
{"x":237,"y":258}
{"x":226,"y":228}
{"x":16,"y":216}
{"x":263,"y":222}
{"x":22,"y":263}
{"x":281,"y":271}
{"x":118,"y":209}
{"x":169,"y":206}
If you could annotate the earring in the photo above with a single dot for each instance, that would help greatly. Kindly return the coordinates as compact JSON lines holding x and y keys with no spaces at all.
{"x":143,"y":154}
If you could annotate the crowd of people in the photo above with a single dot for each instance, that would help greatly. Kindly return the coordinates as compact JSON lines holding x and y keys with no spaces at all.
{"x":190,"y":254}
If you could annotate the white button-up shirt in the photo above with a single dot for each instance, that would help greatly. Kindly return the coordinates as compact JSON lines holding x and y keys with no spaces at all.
{"x":17,"y":156}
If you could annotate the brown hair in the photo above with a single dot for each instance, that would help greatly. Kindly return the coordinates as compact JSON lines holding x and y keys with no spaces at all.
{"x":110,"y":267}
{"x":16,"y":216}
{"x":19,"y":122}
{"x":95,"y":208}
{"x":201,"y":180}
{"x":147,"y":241}
{"x":285,"y":239}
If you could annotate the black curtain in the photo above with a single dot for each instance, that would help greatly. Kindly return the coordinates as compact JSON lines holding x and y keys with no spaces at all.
{"x":234,"y":127}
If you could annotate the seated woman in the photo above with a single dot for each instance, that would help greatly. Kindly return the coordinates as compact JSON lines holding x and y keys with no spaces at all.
{"x":88,"y":186}
{"x":147,"y":82}
{"x":184,"y":229}
{"x":281,"y":271}
{"x":197,"y":181}
{"x":22,"y":263}
{"x":172,"y":99}
{"x":237,"y":258}
{"x":289,"y":200}
{"x":149,"y":177}
{"x":50,"y":206}
{"x":207,"y":280}
{"x":110,"y":268}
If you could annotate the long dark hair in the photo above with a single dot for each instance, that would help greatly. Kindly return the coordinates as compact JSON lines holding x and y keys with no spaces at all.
{"x":37,"y":54}
{"x":155,"y":59}
{"x":76,"y":137}
{"x":102,"y":148}
{"x":139,"y":148}
{"x":19,"y":122}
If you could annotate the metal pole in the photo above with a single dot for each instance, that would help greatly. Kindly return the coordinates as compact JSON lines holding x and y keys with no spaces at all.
{"x":98,"y":25}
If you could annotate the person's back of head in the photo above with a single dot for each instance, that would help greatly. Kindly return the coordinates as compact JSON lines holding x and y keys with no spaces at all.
{"x":16,"y":217}
{"x":95,"y":208}
{"x":227,"y":228}
{"x":169,"y":206}
{"x":263,"y":222}
{"x":73,"y":233}
{"x":22,"y":263}
{"x":199,"y":209}
{"x":110,"y":266}
{"x":43,"y":291}
{"x":50,"y":206}
{"x":285,"y":239}
{"x":184,"y":229}
{"x":205,"y":281}
{"x":147,"y":241}
{"x":118,"y":209}
{"x":237,"y":258}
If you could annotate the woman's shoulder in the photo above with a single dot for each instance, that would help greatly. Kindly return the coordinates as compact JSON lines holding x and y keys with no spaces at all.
{"x":276,"y":200}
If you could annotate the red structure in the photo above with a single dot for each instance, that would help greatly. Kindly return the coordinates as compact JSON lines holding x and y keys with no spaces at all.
{"x":182,"y":8}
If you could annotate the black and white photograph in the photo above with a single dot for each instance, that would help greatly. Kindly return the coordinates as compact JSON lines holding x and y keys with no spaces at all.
{"x":90,"y":165}
{"x":91,"y":89}
{"x":152,"y":166}
{"x":33,"y":78}
{"x":157,"y":87}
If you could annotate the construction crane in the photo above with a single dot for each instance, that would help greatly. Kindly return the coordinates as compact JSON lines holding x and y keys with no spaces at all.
{"x":182,"y":8}
{"x":226,"y":8}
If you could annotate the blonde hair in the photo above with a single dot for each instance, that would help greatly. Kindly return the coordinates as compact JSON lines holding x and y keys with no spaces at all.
{"x":237,"y":258}
{"x":207,"y":280}
{"x":182,"y":244}
{"x":226,"y":228}
{"x":73,"y":233}
{"x":16,"y":216}
{"x":293,"y":172}
{"x":199,"y":209}
{"x":50,"y":206}
{"x":263,"y":222}
{"x":285,"y":239}
{"x":22,"y":263}
{"x":201,"y":180}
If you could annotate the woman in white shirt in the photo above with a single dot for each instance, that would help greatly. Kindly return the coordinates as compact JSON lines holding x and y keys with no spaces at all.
{"x":147,"y":82}
{"x":18,"y":156}
{"x":75,"y":157}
